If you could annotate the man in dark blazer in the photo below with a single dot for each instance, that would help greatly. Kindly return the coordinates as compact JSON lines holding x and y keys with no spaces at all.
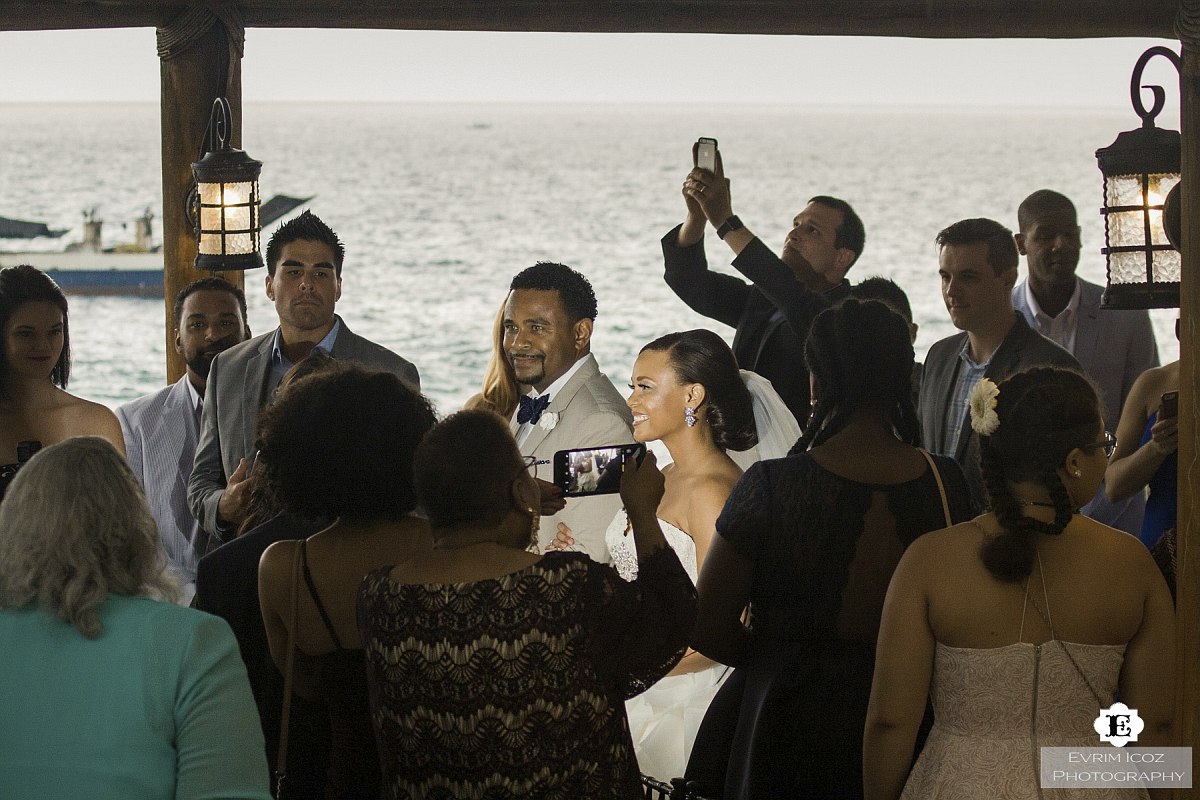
{"x":977,"y":263}
{"x":771,"y":314}
{"x":304,"y":279}
{"x":1112,"y":347}
{"x":161,"y":429}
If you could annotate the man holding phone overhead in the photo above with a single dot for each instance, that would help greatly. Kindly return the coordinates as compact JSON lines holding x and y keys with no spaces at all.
{"x":570,"y":404}
{"x":773,"y":312}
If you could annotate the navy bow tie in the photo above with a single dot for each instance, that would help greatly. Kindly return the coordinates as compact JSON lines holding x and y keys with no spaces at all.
{"x":531,"y":409}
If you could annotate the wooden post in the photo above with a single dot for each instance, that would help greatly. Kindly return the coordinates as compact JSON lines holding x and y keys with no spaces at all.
{"x":1187,"y":606}
{"x":195,"y":70}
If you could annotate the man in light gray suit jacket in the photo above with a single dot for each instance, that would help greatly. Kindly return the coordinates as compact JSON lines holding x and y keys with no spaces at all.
{"x":304,"y":279}
{"x":1112,"y":347}
{"x":161,"y":429}
{"x":978,"y":268}
{"x":571,"y":404}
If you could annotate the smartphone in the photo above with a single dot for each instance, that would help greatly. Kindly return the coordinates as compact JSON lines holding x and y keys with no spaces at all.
{"x":593,"y":470}
{"x":1170,"y":405}
{"x":706,"y":153}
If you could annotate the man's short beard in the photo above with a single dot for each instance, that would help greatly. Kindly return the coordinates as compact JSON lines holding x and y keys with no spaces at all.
{"x":201,"y":364}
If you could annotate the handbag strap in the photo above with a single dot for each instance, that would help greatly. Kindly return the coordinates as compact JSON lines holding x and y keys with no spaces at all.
{"x":937,"y":476}
{"x":288,"y":669}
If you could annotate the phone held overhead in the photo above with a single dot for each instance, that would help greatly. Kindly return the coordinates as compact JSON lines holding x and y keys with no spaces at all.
{"x":706,"y":153}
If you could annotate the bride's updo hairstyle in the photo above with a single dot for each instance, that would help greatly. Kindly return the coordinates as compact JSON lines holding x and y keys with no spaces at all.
{"x":1044,"y":413}
{"x":861,"y":355}
{"x":700,"y":356}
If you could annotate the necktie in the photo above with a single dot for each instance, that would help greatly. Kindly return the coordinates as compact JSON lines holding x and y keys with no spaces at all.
{"x":531,"y":410}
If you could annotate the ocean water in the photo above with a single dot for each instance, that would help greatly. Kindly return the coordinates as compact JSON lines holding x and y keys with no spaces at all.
{"x":439,"y":205}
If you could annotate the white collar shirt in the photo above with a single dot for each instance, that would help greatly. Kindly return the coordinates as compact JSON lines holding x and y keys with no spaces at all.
{"x":552,"y":389}
{"x":1060,"y":329}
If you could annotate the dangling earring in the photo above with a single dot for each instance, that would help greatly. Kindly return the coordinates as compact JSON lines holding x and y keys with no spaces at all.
{"x":689,"y":416}
{"x":1078,"y":474}
{"x":535,"y":522}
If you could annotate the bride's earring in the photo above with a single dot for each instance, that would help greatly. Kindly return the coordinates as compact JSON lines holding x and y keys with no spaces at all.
{"x":535,"y":523}
{"x":689,"y":416}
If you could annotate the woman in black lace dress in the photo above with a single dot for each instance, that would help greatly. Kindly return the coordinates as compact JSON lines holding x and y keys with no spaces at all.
{"x":809,"y":543}
{"x":496,"y":672}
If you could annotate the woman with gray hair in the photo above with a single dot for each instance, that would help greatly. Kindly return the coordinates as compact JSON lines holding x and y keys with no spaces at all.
{"x":105,"y":691}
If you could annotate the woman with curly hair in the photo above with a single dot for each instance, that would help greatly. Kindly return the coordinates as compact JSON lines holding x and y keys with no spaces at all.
{"x":1022,"y":624}
{"x":107,"y":689}
{"x":338,"y":445}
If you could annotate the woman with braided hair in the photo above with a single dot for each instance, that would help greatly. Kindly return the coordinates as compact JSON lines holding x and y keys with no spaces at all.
{"x":1024,"y":623}
{"x":809,"y":542}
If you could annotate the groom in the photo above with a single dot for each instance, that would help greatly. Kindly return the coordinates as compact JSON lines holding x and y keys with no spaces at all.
{"x":570,"y":404}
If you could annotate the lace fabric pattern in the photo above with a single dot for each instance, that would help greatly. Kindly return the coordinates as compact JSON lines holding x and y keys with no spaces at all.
{"x":514,"y":687}
{"x":621,"y":550}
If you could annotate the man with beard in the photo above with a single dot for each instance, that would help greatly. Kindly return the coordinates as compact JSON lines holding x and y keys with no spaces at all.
{"x":570,"y":403}
{"x":161,"y":429}
{"x":772,"y":313}
{"x":304,"y":280}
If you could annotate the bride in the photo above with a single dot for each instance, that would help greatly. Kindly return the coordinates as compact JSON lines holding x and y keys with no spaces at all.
{"x":688,"y":394}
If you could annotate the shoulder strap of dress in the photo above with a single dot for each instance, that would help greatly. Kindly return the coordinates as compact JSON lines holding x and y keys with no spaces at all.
{"x":937,"y":476}
{"x":312,"y":592}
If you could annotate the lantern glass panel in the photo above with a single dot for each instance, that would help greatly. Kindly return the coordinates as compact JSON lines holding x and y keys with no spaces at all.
{"x":239,"y":244}
{"x":1168,"y":266}
{"x":210,"y":218}
{"x":1125,"y":268}
{"x":237,"y":218}
{"x":210,"y":193}
{"x":1126,"y":229}
{"x":236,"y":193}
{"x":210,"y":244}
{"x":1123,"y":190}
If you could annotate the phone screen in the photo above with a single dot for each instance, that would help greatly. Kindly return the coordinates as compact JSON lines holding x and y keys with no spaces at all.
{"x":706,"y":154}
{"x":593,"y":470}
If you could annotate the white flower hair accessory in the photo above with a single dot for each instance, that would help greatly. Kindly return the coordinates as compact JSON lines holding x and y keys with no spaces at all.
{"x":548,"y":421}
{"x":982,"y":403}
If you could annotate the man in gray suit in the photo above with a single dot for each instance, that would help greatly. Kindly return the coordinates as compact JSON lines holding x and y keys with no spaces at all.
{"x":977,"y":263}
{"x":1112,"y":347}
{"x":548,"y":321}
{"x":161,"y":429}
{"x":304,"y":279}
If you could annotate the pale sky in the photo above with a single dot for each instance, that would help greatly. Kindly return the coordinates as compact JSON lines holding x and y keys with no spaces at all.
{"x":297,"y":65}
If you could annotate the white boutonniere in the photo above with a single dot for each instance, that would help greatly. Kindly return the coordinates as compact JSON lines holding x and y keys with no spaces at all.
{"x":548,"y":421}
{"x":983,"y":407}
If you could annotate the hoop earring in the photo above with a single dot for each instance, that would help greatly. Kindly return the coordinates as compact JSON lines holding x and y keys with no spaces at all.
{"x":689,"y":416}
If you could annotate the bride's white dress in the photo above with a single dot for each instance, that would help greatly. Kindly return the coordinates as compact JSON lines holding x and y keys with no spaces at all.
{"x":664,"y":719}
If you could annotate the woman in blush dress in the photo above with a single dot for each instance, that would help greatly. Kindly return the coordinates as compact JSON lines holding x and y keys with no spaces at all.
{"x":35,"y":362}
{"x":809,"y":542}
{"x":686,"y":392}
{"x":1022,"y":624}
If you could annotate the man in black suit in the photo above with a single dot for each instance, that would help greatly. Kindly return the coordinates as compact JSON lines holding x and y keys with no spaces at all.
{"x":772,"y":313}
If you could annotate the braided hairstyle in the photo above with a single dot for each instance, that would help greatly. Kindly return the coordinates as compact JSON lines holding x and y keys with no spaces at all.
{"x":700,"y":356}
{"x":861,"y":356}
{"x":1045,"y":413}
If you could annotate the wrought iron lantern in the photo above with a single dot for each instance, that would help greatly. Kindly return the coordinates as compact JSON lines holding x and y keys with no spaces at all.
{"x":1140,"y":168}
{"x":225,"y":201}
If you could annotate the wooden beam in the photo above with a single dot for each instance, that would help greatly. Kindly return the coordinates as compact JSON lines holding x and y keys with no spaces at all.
{"x":191,"y":80}
{"x":912,"y":18}
{"x":1187,"y":603}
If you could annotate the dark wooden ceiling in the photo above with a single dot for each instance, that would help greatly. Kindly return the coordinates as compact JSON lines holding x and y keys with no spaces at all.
{"x":912,"y":18}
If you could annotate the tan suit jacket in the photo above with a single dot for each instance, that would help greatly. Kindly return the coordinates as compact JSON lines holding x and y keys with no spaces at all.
{"x":590,"y":413}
